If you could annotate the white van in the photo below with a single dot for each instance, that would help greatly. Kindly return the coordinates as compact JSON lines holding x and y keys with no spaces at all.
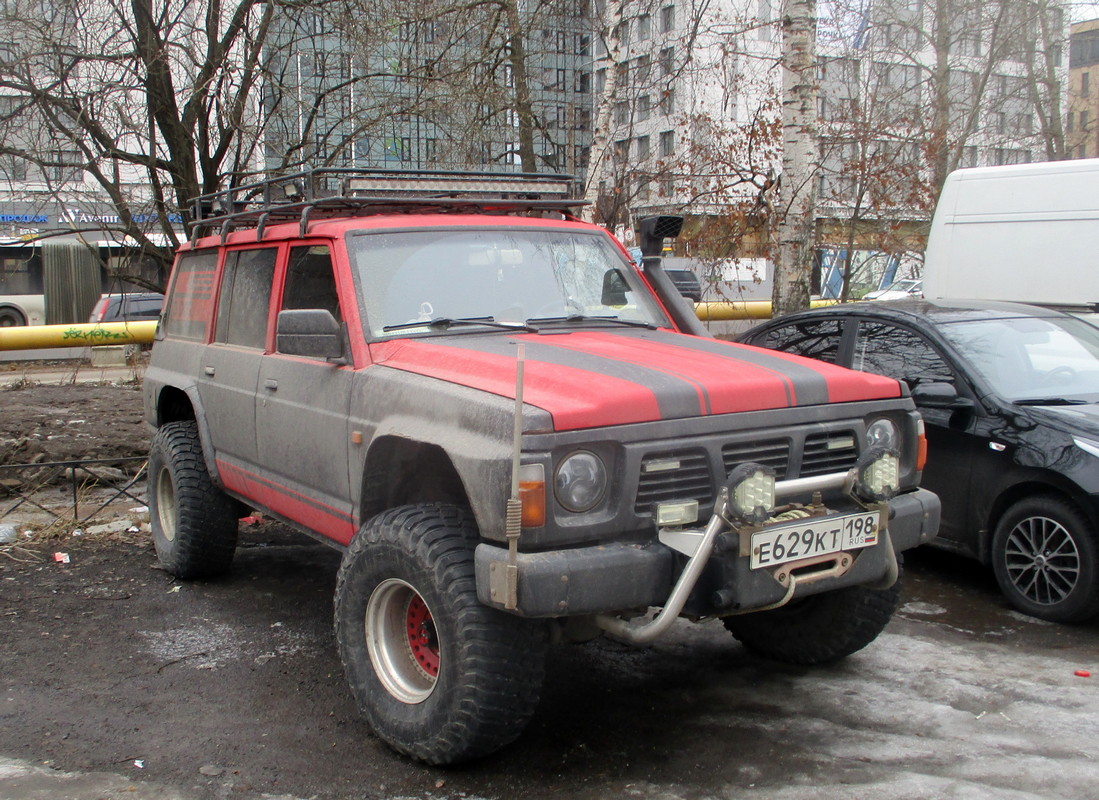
{"x":1028,"y":233}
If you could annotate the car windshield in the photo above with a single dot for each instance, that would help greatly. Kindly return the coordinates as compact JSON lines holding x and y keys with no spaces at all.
{"x":1032,"y":359}
{"x":471,"y":280}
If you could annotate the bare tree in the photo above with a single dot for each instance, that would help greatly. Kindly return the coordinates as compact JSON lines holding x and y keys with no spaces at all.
{"x":138,"y":106}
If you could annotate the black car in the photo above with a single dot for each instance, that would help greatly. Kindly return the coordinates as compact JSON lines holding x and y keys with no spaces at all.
{"x":1010,"y":396}
{"x":127,"y":307}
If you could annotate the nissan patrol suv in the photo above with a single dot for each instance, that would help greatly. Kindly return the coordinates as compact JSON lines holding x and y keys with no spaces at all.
{"x":514,"y":434}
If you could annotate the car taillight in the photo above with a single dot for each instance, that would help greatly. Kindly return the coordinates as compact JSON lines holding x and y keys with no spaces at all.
{"x":100,"y":310}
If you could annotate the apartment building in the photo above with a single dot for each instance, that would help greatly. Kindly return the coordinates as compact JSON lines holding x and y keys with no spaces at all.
{"x":1081,"y":130}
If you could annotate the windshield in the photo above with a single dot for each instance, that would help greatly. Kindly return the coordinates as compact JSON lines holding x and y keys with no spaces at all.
{"x":519,"y":276}
{"x":1031,"y":358}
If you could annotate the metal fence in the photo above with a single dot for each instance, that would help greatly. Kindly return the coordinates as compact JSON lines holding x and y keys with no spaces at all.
{"x":86,"y":484}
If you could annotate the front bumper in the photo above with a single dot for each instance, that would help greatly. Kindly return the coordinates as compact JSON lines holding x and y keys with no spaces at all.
{"x":619,"y":576}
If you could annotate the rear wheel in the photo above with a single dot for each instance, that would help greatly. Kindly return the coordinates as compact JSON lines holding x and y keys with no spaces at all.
{"x":438,"y":675}
{"x":1044,"y":554}
{"x":194,"y":523}
{"x":819,"y":628}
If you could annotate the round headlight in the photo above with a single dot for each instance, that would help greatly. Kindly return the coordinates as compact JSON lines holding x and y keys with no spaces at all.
{"x":581,"y":481}
{"x":883,"y":432}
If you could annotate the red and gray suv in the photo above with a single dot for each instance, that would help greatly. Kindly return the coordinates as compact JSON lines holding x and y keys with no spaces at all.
{"x":510,"y":430}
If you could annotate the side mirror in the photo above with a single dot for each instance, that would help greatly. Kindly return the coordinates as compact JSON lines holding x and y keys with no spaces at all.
{"x":939,"y":395}
{"x":614,"y":288}
{"x":309,"y":332}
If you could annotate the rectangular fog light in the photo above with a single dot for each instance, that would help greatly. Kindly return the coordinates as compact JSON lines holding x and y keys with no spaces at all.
{"x":680,"y":513}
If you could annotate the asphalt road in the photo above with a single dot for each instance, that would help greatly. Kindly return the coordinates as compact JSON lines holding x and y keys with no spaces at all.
{"x":119,"y":682}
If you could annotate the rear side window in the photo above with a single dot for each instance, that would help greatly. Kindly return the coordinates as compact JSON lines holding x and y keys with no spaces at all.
{"x":191,"y":299}
{"x":245,"y":297}
{"x":819,"y":339}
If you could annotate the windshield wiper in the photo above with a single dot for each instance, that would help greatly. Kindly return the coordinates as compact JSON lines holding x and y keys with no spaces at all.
{"x":1051,"y":401}
{"x":633,"y":323}
{"x":450,"y":322}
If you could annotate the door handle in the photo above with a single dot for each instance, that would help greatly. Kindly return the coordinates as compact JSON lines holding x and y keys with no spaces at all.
{"x":271,"y":384}
{"x":208,"y":371}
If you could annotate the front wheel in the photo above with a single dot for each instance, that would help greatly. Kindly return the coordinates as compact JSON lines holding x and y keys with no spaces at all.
{"x":819,"y":628}
{"x":1044,"y":554}
{"x":438,"y":675}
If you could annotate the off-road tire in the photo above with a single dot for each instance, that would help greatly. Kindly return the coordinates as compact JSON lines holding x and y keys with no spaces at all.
{"x":488,"y":666}
{"x":820,"y":628}
{"x":194,"y":523}
{"x":1045,"y":555}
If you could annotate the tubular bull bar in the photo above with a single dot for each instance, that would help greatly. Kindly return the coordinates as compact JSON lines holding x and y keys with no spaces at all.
{"x":604,"y":580}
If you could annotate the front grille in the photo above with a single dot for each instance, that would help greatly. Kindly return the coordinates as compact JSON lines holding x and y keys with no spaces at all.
{"x":829,"y":452}
{"x":774,"y":454}
{"x":679,"y":475}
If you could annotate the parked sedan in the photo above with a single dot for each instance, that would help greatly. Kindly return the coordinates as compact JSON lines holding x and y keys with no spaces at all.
{"x":1010,"y":396}
{"x":127,"y":306}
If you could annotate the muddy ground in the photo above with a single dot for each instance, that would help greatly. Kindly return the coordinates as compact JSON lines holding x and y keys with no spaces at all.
{"x":118,"y":681}
{"x":63,"y":422}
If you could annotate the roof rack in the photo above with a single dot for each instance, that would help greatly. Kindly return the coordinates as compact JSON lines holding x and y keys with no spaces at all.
{"x":331,"y":192}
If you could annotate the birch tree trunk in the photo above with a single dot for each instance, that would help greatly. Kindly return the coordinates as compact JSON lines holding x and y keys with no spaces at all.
{"x":604,"y":102}
{"x":798,"y":187}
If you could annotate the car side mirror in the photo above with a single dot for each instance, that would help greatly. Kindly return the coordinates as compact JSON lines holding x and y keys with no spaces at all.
{"x":614,"y":288}
{"x":309,"y":332}
{"x":939,"y":395}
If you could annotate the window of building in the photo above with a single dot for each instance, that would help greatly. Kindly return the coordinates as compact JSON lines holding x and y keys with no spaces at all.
{"x":667,"y":19}
{"x":64,"y":167}
{"x":667,"y":102}
{"x":623,"y":32}
{"x":644,"y":28}
{"x":1085,"y":83}
{"x":765,"y":14}
{"x":641,"y":70}
{"x":1068,"y":121}
{"x":667,"y":144}
{"x":644,"y":110}
{"x":667,"y":62}
{"x":643,"y":150}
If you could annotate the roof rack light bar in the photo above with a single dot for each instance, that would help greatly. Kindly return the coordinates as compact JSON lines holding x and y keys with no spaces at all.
{"x":481,"y":185}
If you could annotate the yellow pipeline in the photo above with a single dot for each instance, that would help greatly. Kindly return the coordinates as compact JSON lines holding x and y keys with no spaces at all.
{"x":33,"y":337}
{"x":743,"y":309}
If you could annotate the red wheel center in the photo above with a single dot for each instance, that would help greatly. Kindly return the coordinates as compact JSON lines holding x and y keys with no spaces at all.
{"x":422,"y":638}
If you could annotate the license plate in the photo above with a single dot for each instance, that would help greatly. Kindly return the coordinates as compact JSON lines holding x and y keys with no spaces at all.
{"x":813,"y":536}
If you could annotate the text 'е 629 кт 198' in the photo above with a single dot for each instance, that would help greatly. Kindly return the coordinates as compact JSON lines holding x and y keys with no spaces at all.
{"x":511,"y":430}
